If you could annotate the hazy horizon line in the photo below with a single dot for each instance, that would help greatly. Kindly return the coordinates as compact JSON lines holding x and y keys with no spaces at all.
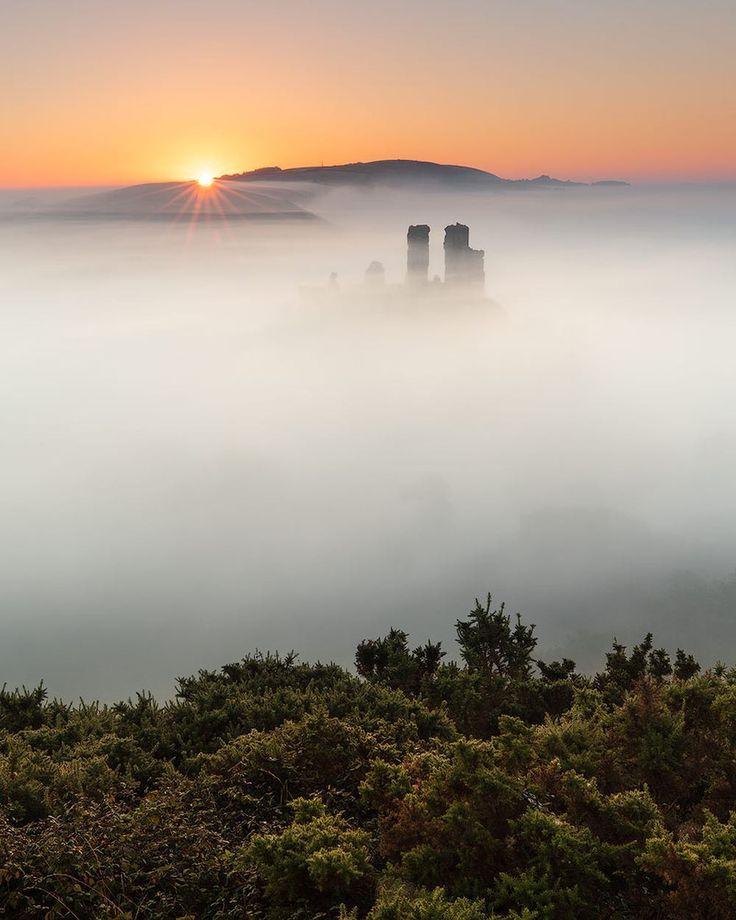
{"x":634,"y":183}
{"x":635,"y":180}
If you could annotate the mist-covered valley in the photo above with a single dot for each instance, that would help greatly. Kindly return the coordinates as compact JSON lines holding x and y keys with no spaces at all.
{"x":197,"y":462}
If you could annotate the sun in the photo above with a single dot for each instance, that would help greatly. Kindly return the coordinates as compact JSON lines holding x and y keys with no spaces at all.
{"x":205,"y":179}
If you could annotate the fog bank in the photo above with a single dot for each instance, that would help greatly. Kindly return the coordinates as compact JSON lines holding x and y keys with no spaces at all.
{"x":196,"y":463}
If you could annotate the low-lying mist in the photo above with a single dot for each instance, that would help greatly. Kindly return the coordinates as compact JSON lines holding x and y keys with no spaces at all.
{"x":197,"y":463}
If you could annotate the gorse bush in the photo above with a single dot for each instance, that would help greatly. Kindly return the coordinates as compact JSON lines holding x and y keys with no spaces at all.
{"x":494,"y":787}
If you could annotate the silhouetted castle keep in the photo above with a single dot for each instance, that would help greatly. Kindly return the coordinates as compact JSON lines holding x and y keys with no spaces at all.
{"x":417,"y":254}
{"x":463,"y":265}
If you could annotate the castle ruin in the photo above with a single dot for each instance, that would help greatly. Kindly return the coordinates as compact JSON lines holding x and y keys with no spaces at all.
{"x":417,"y":254}
{"x":463,"y":265}
{"x":464,"y":279}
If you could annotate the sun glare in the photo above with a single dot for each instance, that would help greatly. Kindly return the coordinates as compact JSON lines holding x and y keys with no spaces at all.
{"x":205,"y":179}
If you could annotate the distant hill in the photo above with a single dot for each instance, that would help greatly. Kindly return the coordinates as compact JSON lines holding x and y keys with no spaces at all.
{"x":400,"y":172}
{"x":185,"y":201}
{"x":274,"y":193}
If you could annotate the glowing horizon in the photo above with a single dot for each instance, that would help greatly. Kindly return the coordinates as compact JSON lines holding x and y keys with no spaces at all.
{"x":158,"y":91}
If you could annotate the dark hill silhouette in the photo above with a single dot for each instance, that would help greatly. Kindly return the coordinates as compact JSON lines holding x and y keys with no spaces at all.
{"x":396,"y":172}
{"x":186,"y":200}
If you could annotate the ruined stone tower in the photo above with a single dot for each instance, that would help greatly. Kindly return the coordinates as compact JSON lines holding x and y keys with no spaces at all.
{"x":463,"y":265}
{"x":417,"y":254}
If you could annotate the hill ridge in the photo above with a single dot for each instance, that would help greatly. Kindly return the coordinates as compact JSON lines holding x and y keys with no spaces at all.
{"x":391,"y":171}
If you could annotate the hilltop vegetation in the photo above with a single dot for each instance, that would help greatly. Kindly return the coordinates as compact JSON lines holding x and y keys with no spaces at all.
{"x":499,"y":786}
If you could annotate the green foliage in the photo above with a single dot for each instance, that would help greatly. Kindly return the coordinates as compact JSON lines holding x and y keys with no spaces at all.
{"x":685,"y":666}
{"x":497,"y":787}
{"x":388,"y":660}
{"x":313,"y":864}
{"x":22,"y":708}
{"x":698,"y":870}
{"x":404,"y":903}
{"x":623,"y":671}
{"x":490,"y":645}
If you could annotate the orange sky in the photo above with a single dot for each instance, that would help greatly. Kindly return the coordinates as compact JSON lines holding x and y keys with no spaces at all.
{"x":105,"y":92}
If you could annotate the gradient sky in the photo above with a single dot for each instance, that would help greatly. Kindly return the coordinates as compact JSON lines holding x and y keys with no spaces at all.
{"x":113,"y":91}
